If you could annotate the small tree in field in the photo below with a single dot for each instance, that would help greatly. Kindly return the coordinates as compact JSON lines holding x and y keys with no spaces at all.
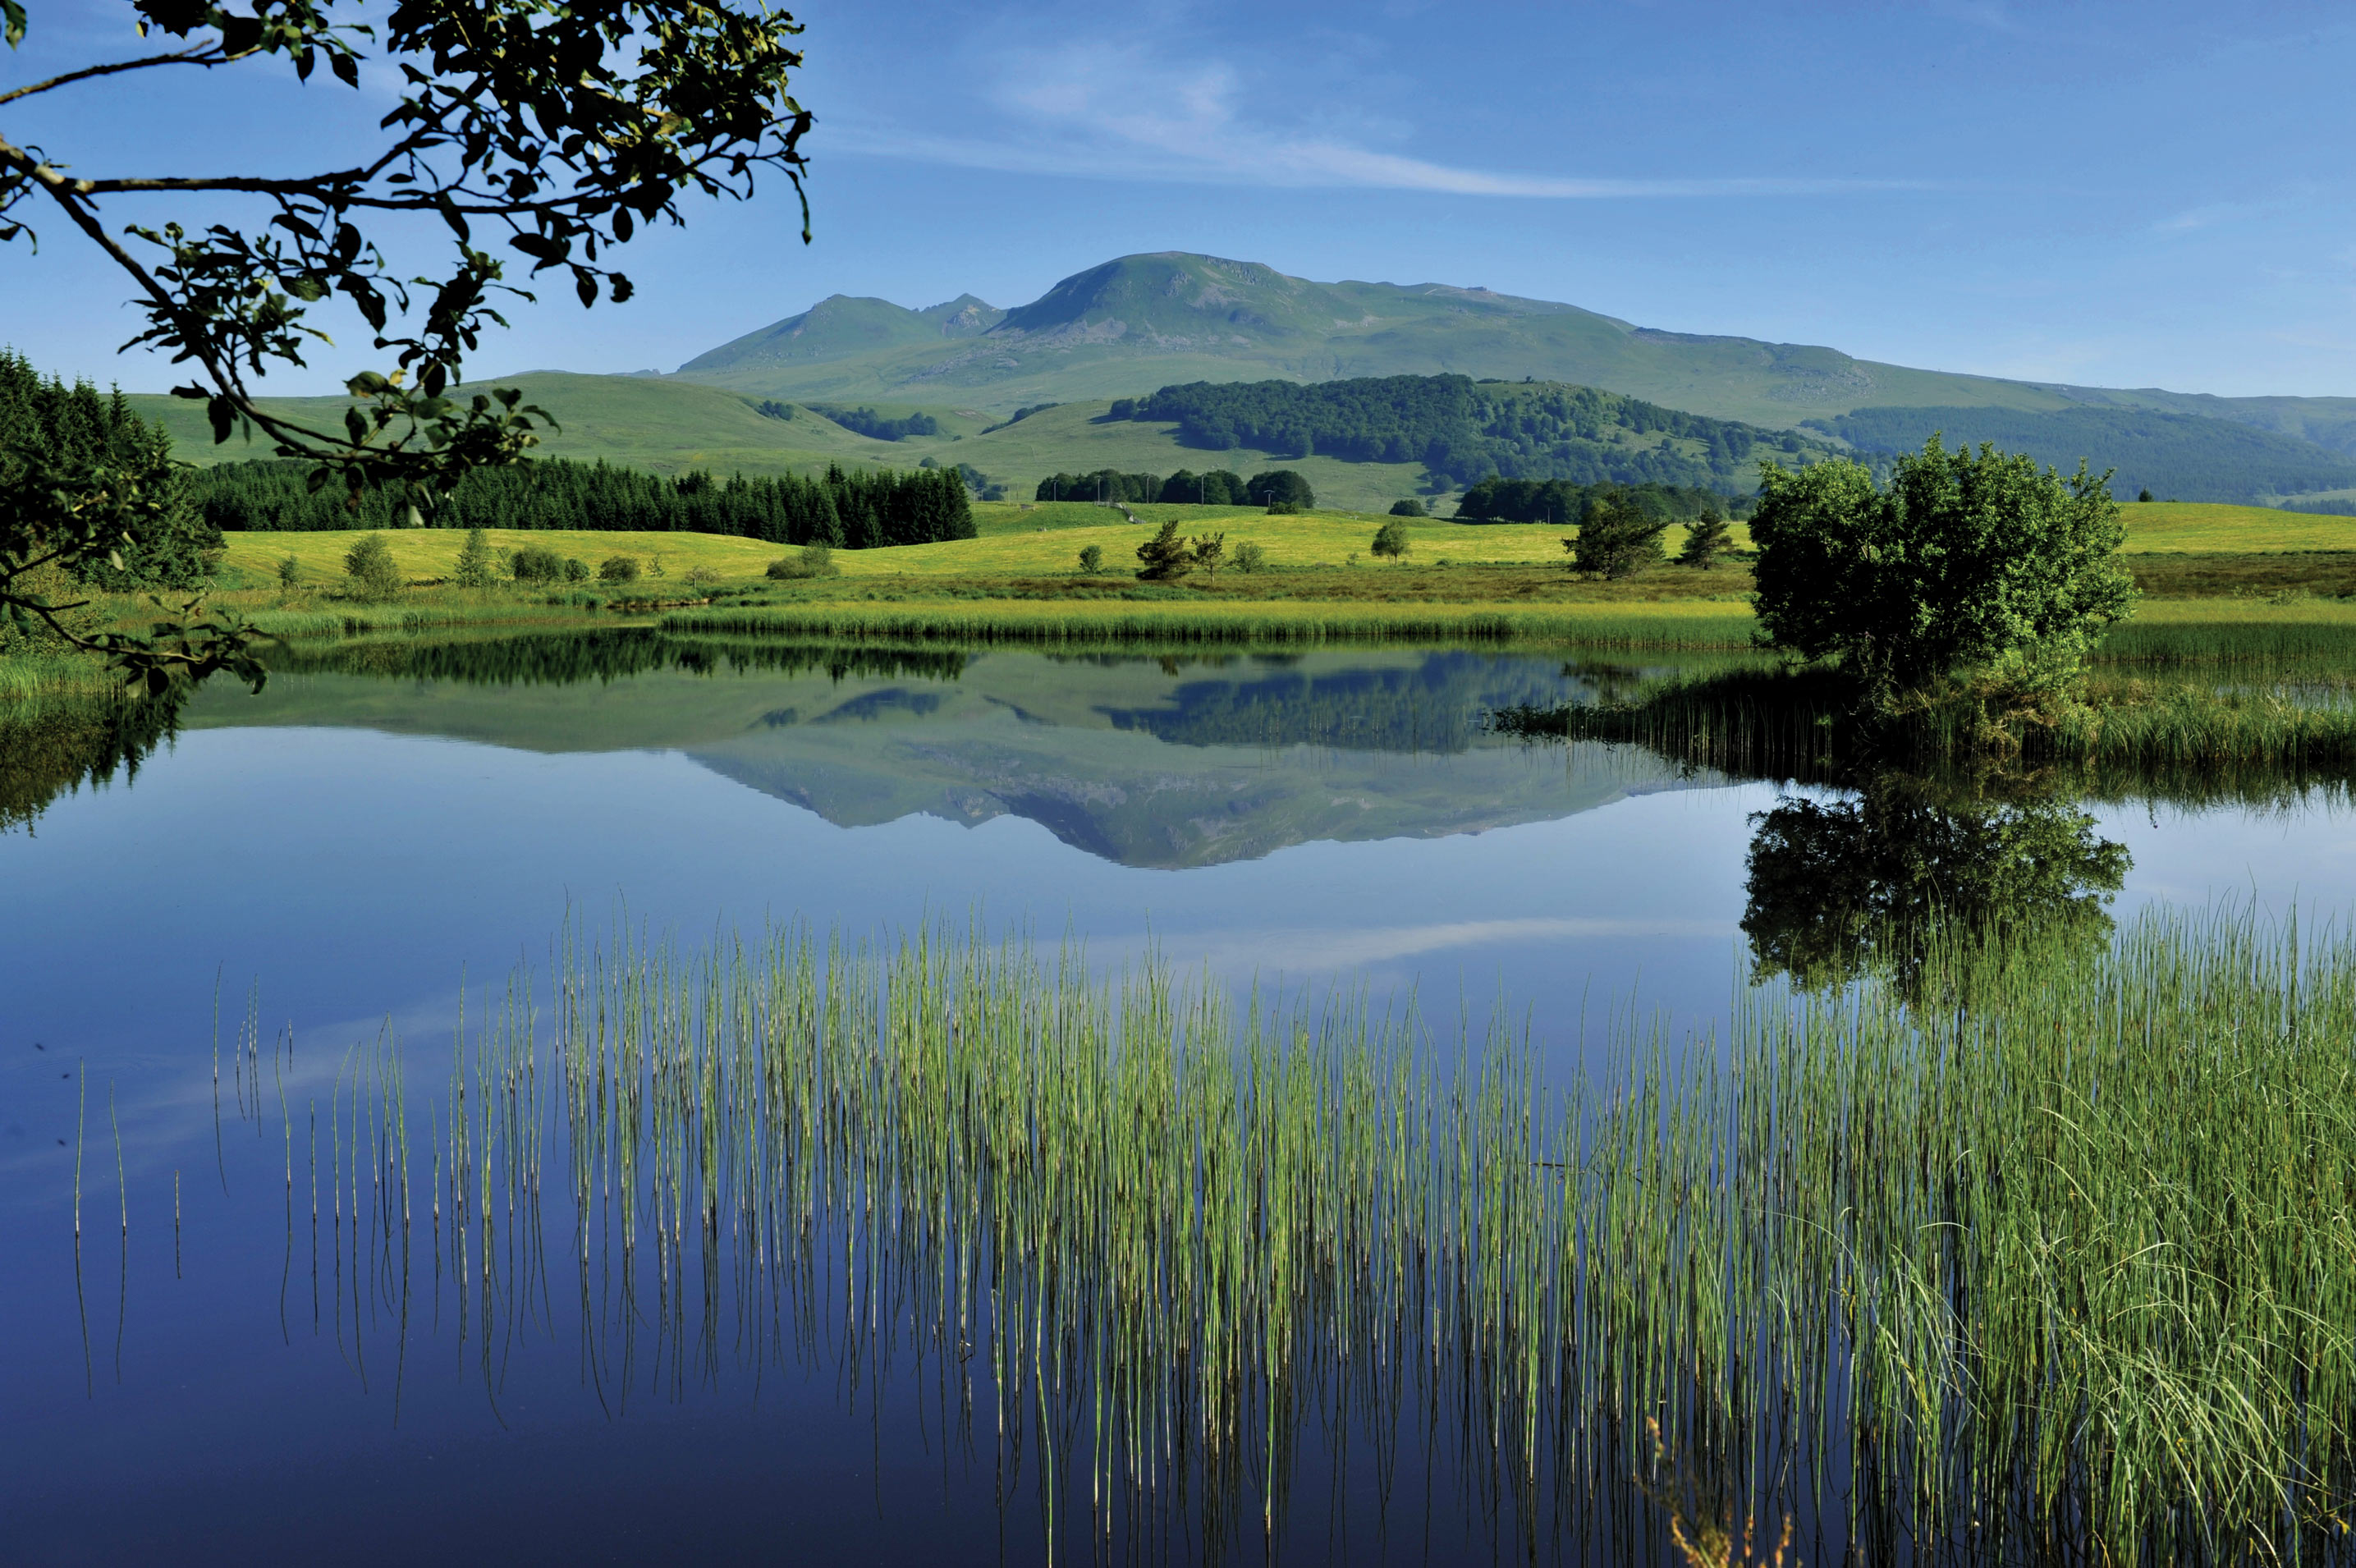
{"x":1211,"y":552}
{"x":1390,"y":541}
{"x":1969,"y":560}
{"x":1707,"y":539}
{"x":474,"y":568}
{"x":1166,"y":556}
{"x":374,"y":574}
{"x":1615,"y":541}
{"x":1250,"y":555}
{"x":1092,"y":559}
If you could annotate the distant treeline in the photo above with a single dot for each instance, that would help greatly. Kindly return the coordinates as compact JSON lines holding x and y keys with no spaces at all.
{"x":848,"y":510}
{"x":1561,"y":502}
{"x":48,"y":423}
{"x":1220,"y":486}
{"x":1466,"y":430}
{"x":883,"y":427}
{"x":2177,"y":457}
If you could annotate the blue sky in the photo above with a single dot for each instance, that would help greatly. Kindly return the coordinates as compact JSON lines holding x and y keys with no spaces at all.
{"x":2129,"y":194}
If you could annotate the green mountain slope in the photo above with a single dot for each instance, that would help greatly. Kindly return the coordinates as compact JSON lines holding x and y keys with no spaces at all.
{"x":1138,"y":323}
{"x":1142,"y":322}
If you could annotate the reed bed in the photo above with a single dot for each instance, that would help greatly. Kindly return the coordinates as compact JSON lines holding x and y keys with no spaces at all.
{"x":1695,"y":625}
{"x":2044,"y":1255}
{"x":1766,"y":722}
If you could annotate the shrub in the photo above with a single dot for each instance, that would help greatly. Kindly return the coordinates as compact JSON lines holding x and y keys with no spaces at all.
{"x":474,"y":568}
{"x":618,"y":569}
{"x":1092,"y":559}
{"x":536,"y":564}
{"x":816,"y":560}
{"x":1391,"y":540}
{"x":1250,"y":555}
{"x":1284,"y":509}
{"x":369,"y":562}
{"x":1408,"y":507}
{"x":289,"y":569}
{"x":701,"y":578}
{"x":576,"y":570}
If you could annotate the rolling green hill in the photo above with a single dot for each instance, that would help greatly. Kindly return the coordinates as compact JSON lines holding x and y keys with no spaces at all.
{"x":1142,"y":322}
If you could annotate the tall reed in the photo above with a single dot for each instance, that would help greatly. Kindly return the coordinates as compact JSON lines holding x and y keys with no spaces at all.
{"x":2041,"y":1253}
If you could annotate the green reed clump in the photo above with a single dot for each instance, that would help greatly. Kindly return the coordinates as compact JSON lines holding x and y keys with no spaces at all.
{"x":2288,"y":642}
{"x":2041,"y":1252}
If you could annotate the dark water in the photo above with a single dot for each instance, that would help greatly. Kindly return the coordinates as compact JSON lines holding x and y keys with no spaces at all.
{"x":347,"y":845}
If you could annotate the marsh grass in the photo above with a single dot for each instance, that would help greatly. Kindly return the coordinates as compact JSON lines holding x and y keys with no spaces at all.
{"x":1696,"y":625}
{"x":2068,"y":1270}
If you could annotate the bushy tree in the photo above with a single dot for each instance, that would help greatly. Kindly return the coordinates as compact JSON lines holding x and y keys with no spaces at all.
{"x":1707,"y":537}
{"x":1411,"y":507}
{"x":1282,"y":487}
{"x":1251,"y":556}
{"x":1390,"y":541}
{"x":1092,"y":559}
{"x":369,"y":565}
{"x":1166,"y":556}
{"x":1616,"y":541}
{"x":576,"y":570}
{"x":289,"y":570}
{"x":1210,"y":553}
{"x":1966,"y":560}
{"x":618,"y":569}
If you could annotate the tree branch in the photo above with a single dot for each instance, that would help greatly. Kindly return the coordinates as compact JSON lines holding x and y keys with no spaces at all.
{"x":204,"y":57}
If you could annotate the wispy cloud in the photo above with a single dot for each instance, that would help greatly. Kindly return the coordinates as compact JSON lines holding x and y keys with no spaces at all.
{"x":1122,"y":112}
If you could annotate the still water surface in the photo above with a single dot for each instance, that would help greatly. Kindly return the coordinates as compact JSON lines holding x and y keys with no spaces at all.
{"x":350,"y":844}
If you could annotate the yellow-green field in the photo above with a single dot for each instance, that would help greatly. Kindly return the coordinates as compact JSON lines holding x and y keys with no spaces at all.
{"x":1020,"y":540}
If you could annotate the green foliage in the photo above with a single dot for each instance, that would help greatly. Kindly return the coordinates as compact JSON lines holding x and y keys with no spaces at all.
{"x":1166,"y":556}
{"x":1019,"y":415}
{"x":475,"y":569}
{"x":1390,"y":541}
{"x":1705,"y":540}
{"x":2144,"y":494}
{"x":816,"y":560}
{"x":1092,"y":559}
{"x":1220,"y":486}
{"x":880,"y":427}
{"x":1104,"y":485}
{"x":575,"y":569}
{"x":1465,"y":429}
{"x":2183,"y":455}
{"x":369,"y":563}
{"x":1616,"y":541}
{"x":1410,"y":507}
{"x":618,"y":569}
{"x":1282,"y":487}
{"x":1251,"y":556}
{"x":289,"y":571}
{"x":49,"y":426}
{"x":1966,"y":560}
{"x":533,"y":563}
{"x":1553,"y":501}
{"x":857,"y":509}
{"x":1210,"y":552}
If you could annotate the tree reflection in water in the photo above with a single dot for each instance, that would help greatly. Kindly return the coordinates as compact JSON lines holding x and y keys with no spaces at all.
{"x":1840,"y":887}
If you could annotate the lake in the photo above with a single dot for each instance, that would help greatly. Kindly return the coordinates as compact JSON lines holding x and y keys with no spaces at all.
{"x":227,"y":972}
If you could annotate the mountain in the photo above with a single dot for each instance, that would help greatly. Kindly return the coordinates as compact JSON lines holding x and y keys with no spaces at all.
{"x":1138,"y":323}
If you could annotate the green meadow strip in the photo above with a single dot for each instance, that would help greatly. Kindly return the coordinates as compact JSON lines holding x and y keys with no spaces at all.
{"x":1230,"y":622}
